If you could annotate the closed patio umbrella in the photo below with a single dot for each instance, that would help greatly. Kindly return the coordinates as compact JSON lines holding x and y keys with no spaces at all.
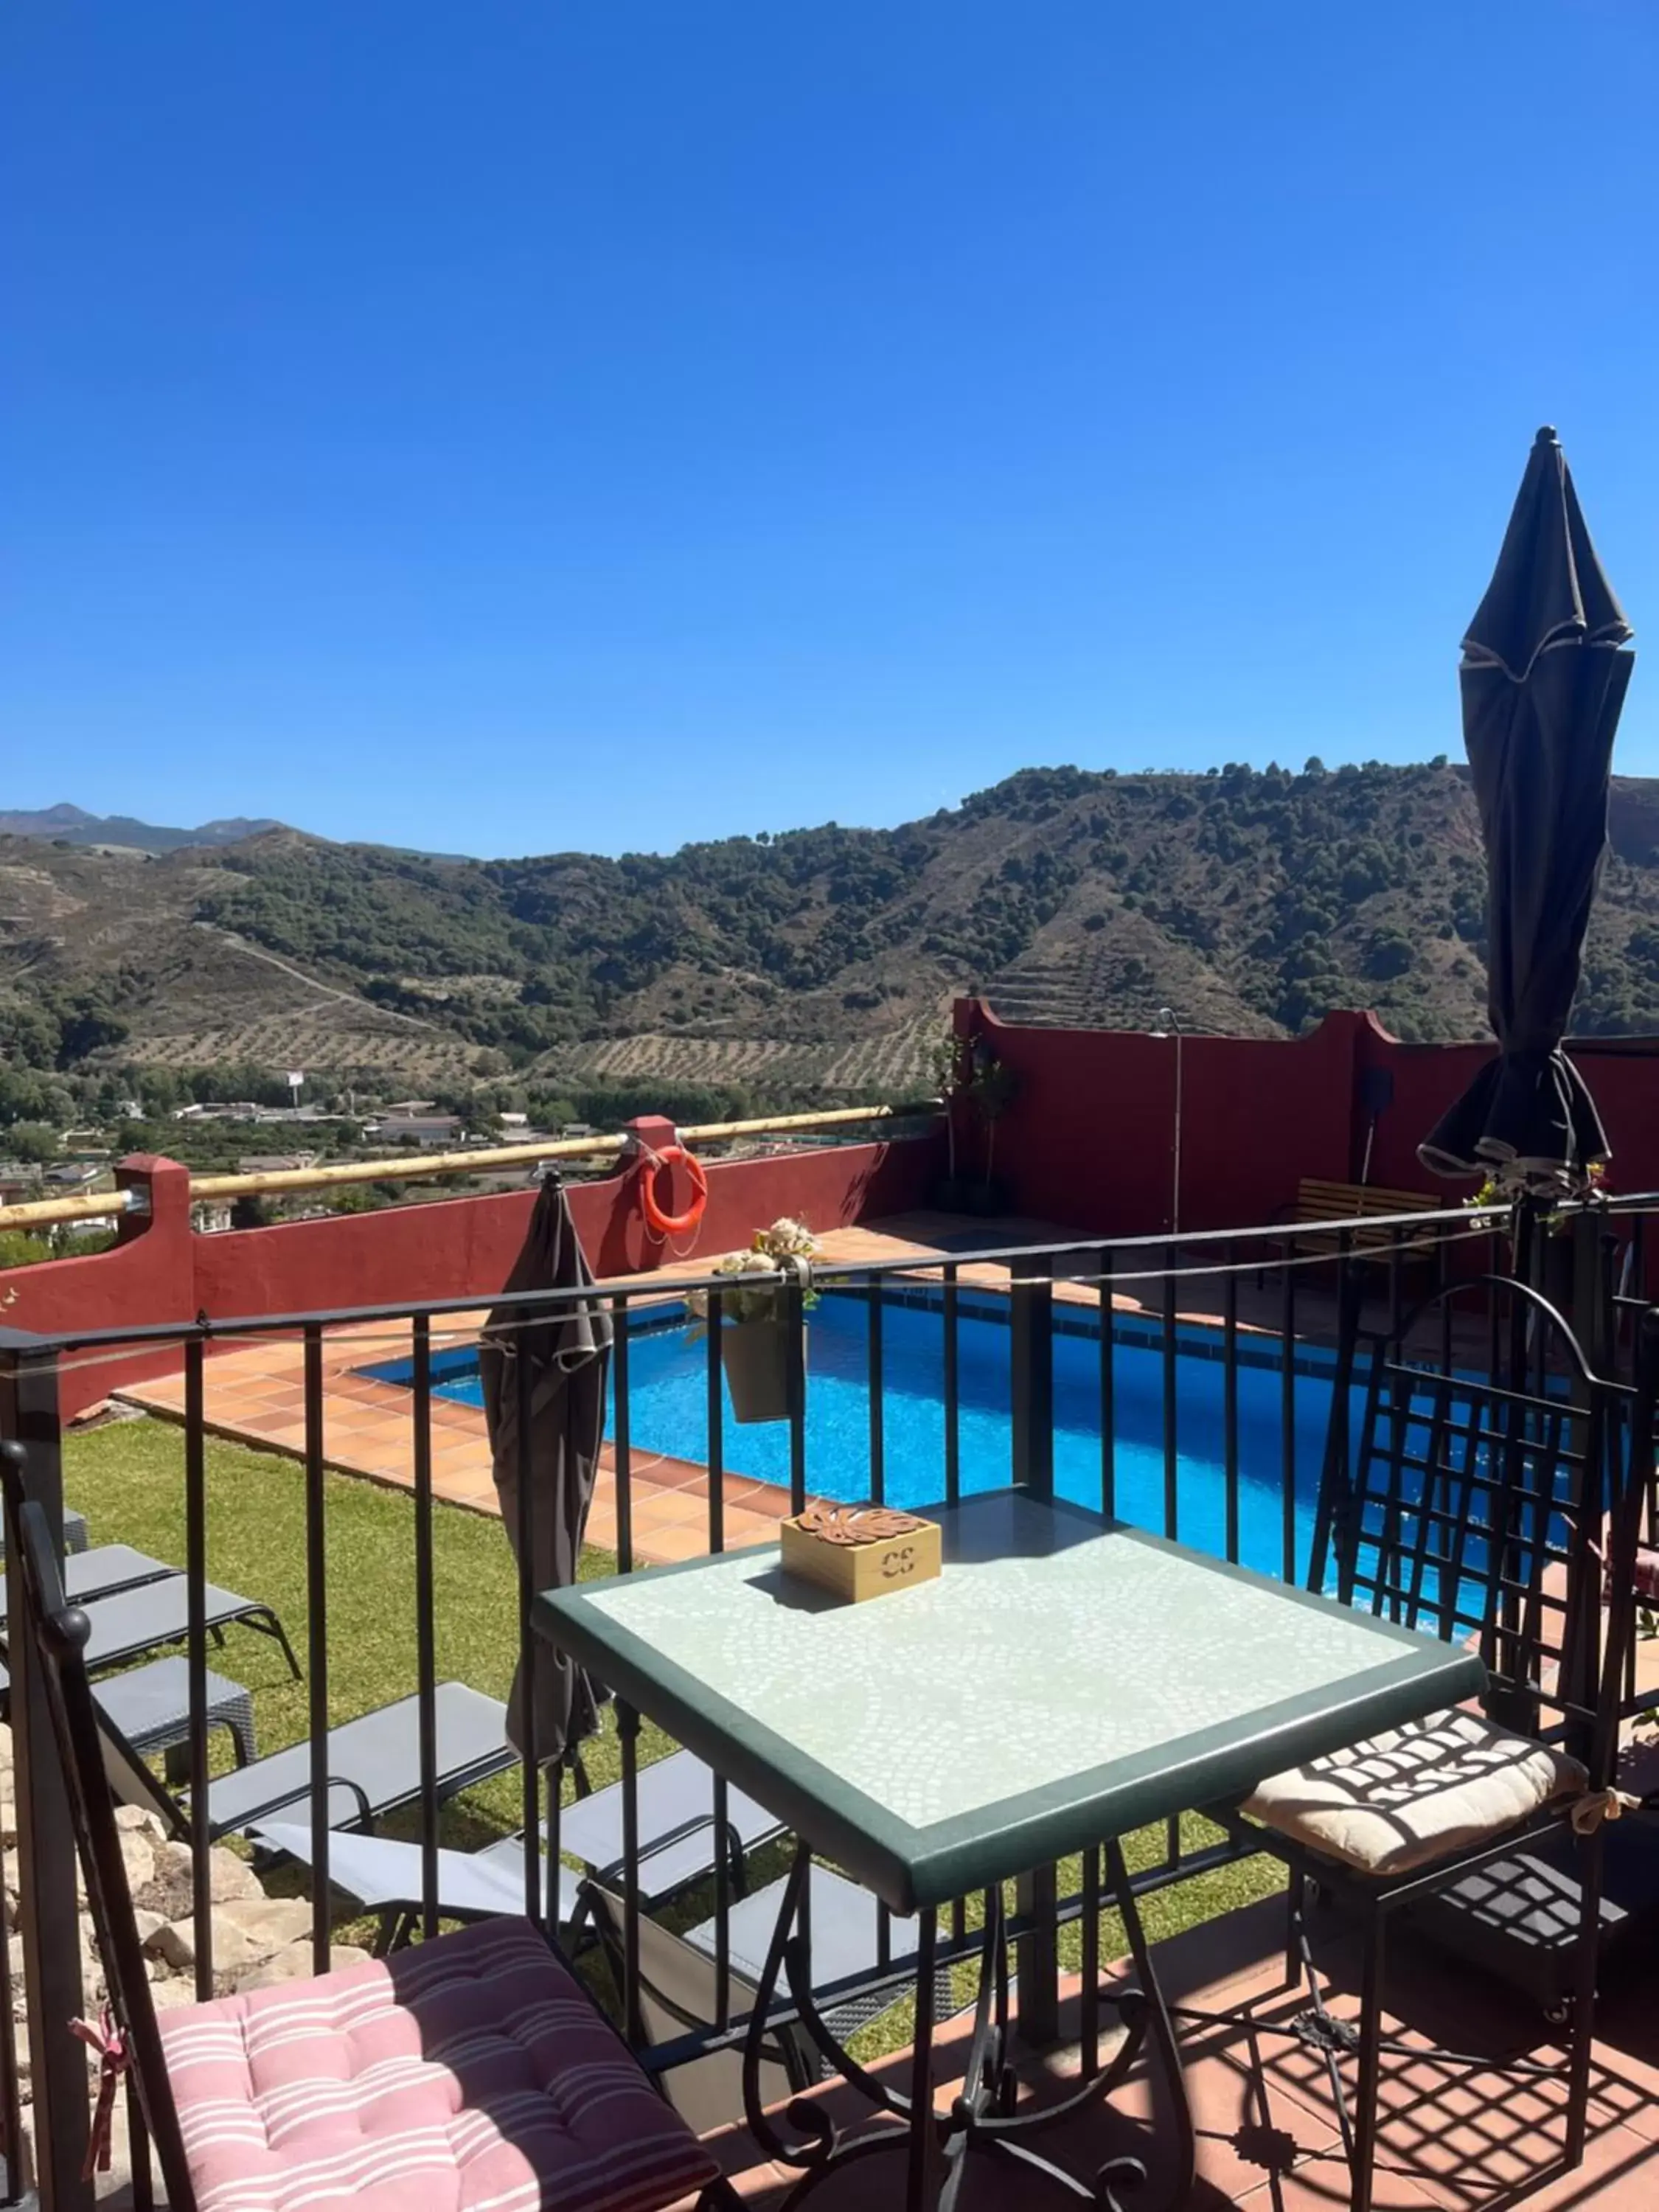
{"x":1543,"y":682}
{"x":561,"y":1358}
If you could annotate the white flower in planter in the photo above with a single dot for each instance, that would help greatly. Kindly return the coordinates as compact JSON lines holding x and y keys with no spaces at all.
{"x":785,"y":1240}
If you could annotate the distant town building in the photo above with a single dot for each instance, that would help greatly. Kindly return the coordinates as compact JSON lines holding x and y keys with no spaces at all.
{"x":274,"y":1162}
{"x":431,"y":1132}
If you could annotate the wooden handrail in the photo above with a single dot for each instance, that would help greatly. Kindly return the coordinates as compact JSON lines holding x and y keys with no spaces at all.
{"x":90,"y":1204}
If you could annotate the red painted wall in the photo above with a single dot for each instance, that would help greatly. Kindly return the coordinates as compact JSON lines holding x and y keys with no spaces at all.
{"x":1085,"y":1143}
{"x":460,"y":1247}
{"x":1088,"y":1139}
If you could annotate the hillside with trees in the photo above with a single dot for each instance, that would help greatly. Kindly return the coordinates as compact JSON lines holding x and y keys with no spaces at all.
{"x":813,"y":962}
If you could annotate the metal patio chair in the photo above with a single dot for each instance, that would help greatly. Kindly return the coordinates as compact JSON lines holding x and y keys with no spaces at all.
{"x":473,"y":2068}
{"x":1473,"y":1510}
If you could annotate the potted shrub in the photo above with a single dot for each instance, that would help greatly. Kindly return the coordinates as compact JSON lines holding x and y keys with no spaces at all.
{"x":1555,"y":1260}
{"x":992,"y":1090}
{"x":944,"y":1060}
{"x":754,"y":1331}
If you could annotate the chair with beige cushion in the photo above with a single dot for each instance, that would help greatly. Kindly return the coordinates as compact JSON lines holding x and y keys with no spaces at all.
{"x":1471,"y":1508}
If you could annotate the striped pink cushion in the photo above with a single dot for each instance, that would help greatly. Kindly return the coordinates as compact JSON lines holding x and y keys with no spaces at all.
{"x":471,"y":2075}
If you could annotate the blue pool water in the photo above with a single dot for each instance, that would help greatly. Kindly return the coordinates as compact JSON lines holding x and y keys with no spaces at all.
{"x":668,"y":1397}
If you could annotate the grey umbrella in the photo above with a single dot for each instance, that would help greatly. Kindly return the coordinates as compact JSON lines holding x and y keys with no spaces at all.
{"x":1543,"y":682}
{"x":553,"y":1367}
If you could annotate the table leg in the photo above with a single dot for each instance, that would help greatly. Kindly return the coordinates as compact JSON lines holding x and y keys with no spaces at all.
{"x":1163,"y":2030}
{"x":984,"y":2115}
{"x":1036,"y":1972}
{"x":919,"y":2179}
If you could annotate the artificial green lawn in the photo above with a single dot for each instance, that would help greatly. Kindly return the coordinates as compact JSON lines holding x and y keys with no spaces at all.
{"x":128,"y":1480}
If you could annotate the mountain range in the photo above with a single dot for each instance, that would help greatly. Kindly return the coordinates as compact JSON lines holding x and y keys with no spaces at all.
{"x":824,"y":959}
{"x":73,"y":825}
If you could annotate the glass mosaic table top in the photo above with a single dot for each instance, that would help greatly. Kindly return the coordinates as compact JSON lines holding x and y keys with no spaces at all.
{"x":1064,"y":1680}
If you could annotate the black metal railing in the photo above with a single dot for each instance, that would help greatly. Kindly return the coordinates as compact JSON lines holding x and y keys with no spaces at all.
{"x":1194,"y":1384}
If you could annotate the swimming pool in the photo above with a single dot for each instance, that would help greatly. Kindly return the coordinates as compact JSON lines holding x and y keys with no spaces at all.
{"x":668,"y":1415}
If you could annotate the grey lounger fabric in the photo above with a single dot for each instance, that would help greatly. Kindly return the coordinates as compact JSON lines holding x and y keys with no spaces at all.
{"x":151,"y":1706}
{"x":379,"y":1753}
{"x":384,"y":1875}
{"x":845,"y":1938}
{"x":131,"y":1622}
{"x":373,"y":1765}
{"x":676,"y":1796}
{"x":102,"y":1571}
{"x":74,"y":1532}
{"x":674,"y":1799}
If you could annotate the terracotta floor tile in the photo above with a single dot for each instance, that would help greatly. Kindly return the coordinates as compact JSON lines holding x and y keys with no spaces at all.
{"x":673,"y":1509}
{"x":1323,"y":2185}
{"x":1249,"y":2129}
{"x":1620,"y":2173}
{"x":671,"y":1544}
{"x":744,"y":1529}
{"x":277,"y":1429}
{"x":762,"y":1500}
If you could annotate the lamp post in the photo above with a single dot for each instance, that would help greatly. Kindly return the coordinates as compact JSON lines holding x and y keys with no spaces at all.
{"x":1169,"y":1024}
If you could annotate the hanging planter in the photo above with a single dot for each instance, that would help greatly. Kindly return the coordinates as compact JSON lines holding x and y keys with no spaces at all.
{"x":759,"y":1341}
{"x":755,"y":1357}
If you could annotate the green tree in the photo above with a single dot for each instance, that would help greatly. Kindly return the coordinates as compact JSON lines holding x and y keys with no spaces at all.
{"x":32,"y":1141}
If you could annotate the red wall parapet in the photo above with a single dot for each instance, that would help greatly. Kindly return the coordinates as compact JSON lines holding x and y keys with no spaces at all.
{"x":160,"y":1270}
{"x":1087,"y":1140}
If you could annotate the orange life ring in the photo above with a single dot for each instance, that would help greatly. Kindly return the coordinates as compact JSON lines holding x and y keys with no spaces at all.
{"x":672,"y":1225}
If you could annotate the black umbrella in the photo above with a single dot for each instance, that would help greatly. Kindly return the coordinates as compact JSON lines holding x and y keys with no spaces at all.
{"x":1543,"y":682}
{"x":556,"y":1364}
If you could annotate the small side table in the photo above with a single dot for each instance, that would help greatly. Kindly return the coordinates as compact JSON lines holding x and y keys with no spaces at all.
{"x":151,"y":1706}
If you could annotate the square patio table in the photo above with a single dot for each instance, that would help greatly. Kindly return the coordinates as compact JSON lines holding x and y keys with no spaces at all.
{"x":1065,"y":1681}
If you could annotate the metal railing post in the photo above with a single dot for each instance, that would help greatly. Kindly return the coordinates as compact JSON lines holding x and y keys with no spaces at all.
{"x":45,"y":1840}
{"x":1031,"y":1357}
{"x":1592,"y":1290}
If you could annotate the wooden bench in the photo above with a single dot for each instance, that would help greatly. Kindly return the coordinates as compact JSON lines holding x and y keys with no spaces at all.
{"x":1347,"y":1204}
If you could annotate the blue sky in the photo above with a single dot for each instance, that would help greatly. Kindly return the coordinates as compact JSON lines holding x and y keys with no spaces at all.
{"x":509,"y":426}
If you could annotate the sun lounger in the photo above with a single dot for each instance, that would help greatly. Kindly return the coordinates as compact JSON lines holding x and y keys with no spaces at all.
{"x":132,"y":1622}
{"x":383,"y":1875}
{"x":675,"y":1799}
{"x":675,"y":1850}
{"x":102,"y":1571}
{"x":373,"y":1765}
{"x":74,"y":1533}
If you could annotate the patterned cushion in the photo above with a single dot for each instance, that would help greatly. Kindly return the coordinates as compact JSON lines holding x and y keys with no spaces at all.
{"x":469,"y":2074}
{"x":1415,"y":1795}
